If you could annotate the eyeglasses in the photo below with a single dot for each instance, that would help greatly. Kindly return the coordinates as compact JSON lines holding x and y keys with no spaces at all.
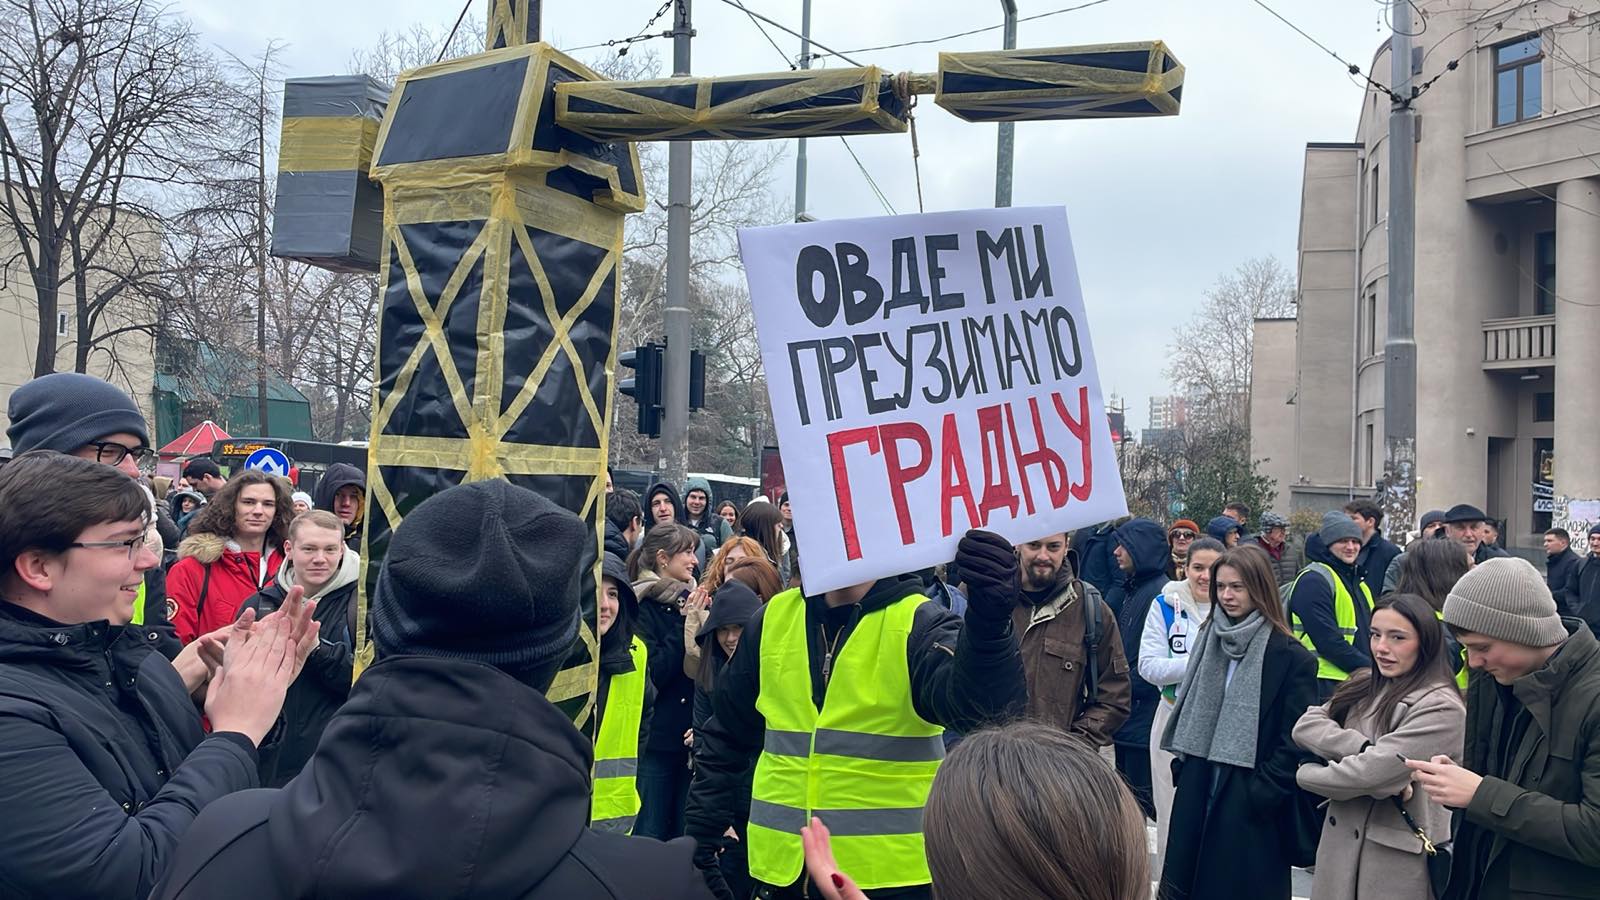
{"x":112,"y":454}
{"x":1183,"y":535}
{"x":133,"y":544}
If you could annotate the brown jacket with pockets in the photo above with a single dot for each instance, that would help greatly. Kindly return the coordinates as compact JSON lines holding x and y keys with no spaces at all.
{"x":1055,"y":658}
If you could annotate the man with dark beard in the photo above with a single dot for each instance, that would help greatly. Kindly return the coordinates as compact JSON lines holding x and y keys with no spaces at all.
{"x":1072,"y":650}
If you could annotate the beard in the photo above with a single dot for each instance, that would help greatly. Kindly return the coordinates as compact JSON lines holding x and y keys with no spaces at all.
{"x":1039,"y":577}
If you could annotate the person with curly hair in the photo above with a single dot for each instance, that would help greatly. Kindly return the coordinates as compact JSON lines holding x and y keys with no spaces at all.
{"x":234,"y":549}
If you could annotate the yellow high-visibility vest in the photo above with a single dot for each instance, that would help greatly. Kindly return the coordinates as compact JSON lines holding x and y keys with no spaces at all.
{"x":1344,"y":613}
{"x":1463,"y":674}
{"x":863,"y":764}
{"x":615,"y":803}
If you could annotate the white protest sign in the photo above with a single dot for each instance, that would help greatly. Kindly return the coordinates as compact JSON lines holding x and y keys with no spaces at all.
{"x":929,"y":374}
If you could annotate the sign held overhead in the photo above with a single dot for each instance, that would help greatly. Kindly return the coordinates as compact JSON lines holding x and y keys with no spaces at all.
{"x":929,"y":374}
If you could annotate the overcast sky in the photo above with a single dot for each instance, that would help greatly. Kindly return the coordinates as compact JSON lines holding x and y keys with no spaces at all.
{"x":1158,"y":207}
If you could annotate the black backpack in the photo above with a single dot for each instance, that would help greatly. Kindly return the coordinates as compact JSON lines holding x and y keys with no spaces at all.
{"x":1092,"y":631}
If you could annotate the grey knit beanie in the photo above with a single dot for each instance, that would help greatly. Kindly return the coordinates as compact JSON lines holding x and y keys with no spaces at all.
{"x":66,"y":410}
{"x":1336,"y":526}
{"x":1506,"y":599}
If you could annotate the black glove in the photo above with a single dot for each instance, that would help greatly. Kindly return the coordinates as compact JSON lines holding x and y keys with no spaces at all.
{"x":989,"y":564}
{"x":705,"y":859}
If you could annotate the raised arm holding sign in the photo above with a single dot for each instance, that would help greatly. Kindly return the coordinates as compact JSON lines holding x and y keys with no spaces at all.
{"x":938,"y":362}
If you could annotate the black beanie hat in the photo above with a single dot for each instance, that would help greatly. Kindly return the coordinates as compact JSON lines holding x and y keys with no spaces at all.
{"x":66,"y":410}
{"x":485,"y":572}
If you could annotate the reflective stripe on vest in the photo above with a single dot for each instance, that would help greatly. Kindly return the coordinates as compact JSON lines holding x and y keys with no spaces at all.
{"x":1344,"y":613}
{"x":863,"y":765}
{"x":616,"y":749}
{"x":138,"y":607}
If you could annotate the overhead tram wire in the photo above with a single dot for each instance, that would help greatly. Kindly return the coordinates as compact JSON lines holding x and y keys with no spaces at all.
{"x":627,"y":42}
{"x":883,"y":199}
{"x":1351,"y":67}
{"x":736,"y":4}
{"x":962,"y":34}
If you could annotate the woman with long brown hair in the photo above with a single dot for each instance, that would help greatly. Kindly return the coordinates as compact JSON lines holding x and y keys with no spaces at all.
{"x":1430,"y":568}
{"x":662,"y":571}
{"x":1025,"y":810}
{"x":1405,"y":707}
{"x":763,"y":522}
{"x":1246,"y":684}
{"x":234,"y":549}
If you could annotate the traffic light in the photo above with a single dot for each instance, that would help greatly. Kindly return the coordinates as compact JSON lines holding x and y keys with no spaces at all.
{"x":697,"y":379}
{"x":645,"y":386}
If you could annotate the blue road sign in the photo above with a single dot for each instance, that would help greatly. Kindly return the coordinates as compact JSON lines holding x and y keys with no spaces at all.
{"x":270,"y":461}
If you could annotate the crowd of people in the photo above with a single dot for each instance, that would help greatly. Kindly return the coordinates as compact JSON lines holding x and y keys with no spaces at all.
{"x":178,"y":720}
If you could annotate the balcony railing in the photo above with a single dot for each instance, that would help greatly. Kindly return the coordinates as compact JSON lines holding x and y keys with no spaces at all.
{"x":1519,"y":343}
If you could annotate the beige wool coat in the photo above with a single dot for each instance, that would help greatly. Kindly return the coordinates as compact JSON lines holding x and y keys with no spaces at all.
{"x":1367,"y":851}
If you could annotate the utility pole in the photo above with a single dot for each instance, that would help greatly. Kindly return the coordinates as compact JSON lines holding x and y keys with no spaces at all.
{"x":674,"y":460}
{"x":1007,"y":145}
{"x":800,"y":150}
{"x":264,"y":429}
{"x":1400,"y":346}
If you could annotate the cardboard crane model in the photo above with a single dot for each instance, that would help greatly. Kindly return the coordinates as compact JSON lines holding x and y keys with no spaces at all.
{"x":497,"y":236}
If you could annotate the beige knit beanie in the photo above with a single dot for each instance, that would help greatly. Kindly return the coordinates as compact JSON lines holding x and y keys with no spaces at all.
{"x":1506,"y":599}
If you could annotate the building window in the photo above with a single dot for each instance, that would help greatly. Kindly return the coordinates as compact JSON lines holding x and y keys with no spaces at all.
{"x":61,"y":324}
{"x":1517,"y":93}
{"x":1544,"y":406}
{"x":1370,"y":313}
{"x":1544,"y":273}
{"x":1372,"y":218}
{"x":1372,"y":454}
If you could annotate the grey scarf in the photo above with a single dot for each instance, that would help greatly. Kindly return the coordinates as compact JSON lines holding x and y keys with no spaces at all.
{"x":1216,"y":719}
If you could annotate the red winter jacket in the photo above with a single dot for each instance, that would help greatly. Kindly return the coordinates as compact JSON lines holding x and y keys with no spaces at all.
{"x":235,"y":577}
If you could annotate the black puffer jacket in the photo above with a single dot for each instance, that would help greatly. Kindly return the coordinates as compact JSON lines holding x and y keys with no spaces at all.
{"x":104,"y":762}
{"x":439,"y":778}
{"x":964,"y":674}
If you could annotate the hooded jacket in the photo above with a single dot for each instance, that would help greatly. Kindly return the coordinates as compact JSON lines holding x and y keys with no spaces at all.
{"x":105,"y":766}
{"x":324,"y":683}
{"x":1146,"y":542}
{"x":1312,"y":601}
{"x":964,"y":674}
{"x":1533,"y":826}
{"x":439,"y":778}
{"x":734,"y":604}
{"x":615,"y":657}
{"x":1220,"y":526}
{"x":337,"y":476}
{"x":199,"y":602}
{"x":714,"y":531}
{"x":679,"y":515}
